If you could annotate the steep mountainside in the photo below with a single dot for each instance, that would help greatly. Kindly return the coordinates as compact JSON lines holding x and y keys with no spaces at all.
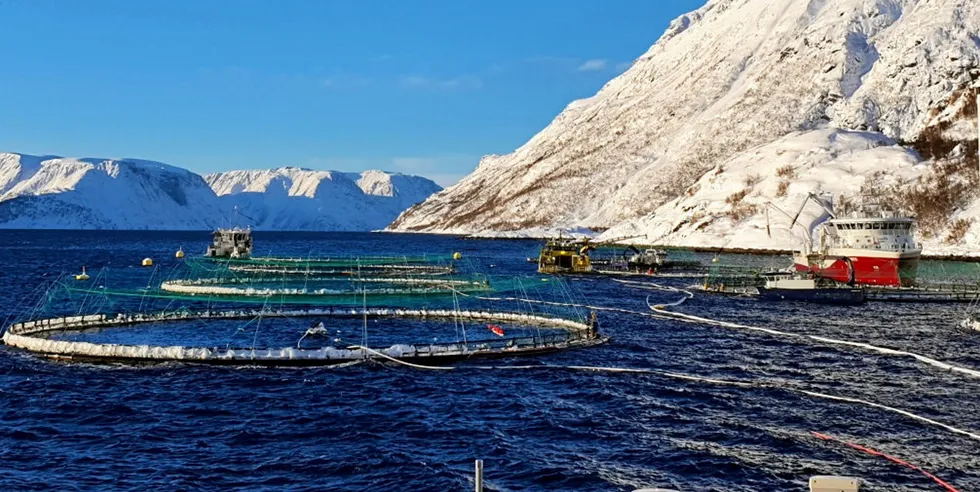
{"x":67,"y":193}
{"x":291,"y":198}
{"x":721,"y":82}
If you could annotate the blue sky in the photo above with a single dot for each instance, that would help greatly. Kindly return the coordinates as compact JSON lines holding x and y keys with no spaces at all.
{"x":422,"y":86}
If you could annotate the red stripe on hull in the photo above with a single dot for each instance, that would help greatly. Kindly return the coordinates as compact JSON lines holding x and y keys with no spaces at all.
{"x":893,"y":272}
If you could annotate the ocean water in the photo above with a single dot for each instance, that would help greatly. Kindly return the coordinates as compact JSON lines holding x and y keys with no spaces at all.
{"x":383,"y":427}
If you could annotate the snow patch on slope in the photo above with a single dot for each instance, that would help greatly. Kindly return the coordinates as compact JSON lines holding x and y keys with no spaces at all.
{"x":726,"y":208}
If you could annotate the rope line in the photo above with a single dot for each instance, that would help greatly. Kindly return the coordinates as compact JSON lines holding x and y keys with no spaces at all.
{"x":689,"y":377}
{"x":941,"y":482}
{"x":662,"y":310}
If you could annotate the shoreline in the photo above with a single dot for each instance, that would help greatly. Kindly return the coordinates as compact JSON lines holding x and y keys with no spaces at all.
{"x":955,"y":257}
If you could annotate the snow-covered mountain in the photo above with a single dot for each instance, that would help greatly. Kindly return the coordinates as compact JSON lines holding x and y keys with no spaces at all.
{"x":727,"y":98}
{"x":291,"y":198}
{"x":88,"y":193}
{"x":67,"y":193}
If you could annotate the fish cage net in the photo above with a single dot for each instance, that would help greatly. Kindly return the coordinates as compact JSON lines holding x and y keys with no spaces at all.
{"x":210,"y":312}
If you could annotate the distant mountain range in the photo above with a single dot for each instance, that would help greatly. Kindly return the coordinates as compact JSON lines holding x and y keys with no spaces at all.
{"x":49,"y":192}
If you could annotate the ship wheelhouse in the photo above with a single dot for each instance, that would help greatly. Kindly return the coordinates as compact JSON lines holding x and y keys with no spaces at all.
{"x":887,"y":234}
{"x":230,"y":243}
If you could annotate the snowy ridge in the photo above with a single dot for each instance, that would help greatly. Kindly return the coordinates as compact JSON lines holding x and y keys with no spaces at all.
{"x":291,"y":198}
{"x":48,"y":192}
{"x":67,"y":193}
{"x":722,"y":83}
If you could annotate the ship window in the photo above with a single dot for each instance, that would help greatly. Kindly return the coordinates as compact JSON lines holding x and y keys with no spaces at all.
{"x":876,"y":226}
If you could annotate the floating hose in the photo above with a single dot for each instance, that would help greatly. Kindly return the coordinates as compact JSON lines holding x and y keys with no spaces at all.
{"x":388,"y":357}
{"x":660,"y":312}
{"x":661,"y":309}
{"x":942,"y":483}
{"x":688,"y":377}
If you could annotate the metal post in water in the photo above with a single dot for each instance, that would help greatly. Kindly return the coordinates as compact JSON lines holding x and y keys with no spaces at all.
{"x":479,"y":476}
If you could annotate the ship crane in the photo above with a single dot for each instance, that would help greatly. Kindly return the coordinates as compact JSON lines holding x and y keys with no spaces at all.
{"x":808,"y":238}
{"x":815,"y":198}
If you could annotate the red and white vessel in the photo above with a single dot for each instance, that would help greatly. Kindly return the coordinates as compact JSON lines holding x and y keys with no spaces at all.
{"x":871,"y":246}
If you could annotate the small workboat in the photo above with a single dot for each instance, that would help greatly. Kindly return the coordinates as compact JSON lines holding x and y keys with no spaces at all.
{"x":810,"y":289}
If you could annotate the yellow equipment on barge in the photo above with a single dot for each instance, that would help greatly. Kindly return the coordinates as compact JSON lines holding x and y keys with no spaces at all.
{"x":564,"y":255}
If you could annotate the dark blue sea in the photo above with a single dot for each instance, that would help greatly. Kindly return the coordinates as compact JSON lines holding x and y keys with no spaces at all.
{"x":72,"y":426}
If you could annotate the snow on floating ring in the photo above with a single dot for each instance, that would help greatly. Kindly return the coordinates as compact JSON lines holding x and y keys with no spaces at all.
{"x":287,"y":270}
{"x":216,"y":286}
{"x":29,"y":336}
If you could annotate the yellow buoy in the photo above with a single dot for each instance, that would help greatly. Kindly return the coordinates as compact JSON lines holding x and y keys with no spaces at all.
{"x":180,"y":252}
{"x":457,"y":256}
{"x":147,"y":262}
{"x":82,"y":276}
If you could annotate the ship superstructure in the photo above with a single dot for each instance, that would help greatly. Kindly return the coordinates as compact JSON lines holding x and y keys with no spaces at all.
{"x":230,"y":243}
{"x":873,"y":245}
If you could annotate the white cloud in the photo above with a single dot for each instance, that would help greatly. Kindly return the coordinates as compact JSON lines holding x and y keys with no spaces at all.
{"x":342,"y":81}
{"x":415,"y":81}
{"x":593,"y":65}
{"x":461,"y":82}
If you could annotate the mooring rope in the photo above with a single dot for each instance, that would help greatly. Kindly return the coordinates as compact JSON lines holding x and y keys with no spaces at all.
{"x":662,"y":310}
{"x":941,"y":482}
{"x":688,"y":377}
{"x":563,"y":304}
{"x":403,"y":362}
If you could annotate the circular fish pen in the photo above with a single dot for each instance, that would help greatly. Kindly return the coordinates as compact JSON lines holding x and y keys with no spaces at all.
{"x":312,"y":282}
{"x":215,"y":312}
{"x":64,"y":338}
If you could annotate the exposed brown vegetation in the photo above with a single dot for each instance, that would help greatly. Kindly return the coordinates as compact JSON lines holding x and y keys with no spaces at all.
{"x":786,"y":171}
{"x":736,"y":198}
{"x":782,"y":188}
{"x":936,"y":196}
{"x":958,"y":230}
{"x":931,"y":143}
{"x":752,"y":180}
{"x":742,"y":211}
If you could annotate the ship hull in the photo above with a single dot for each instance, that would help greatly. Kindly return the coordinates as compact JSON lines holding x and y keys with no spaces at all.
{"x":840,"y":297}
{"x":883,"y":268}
